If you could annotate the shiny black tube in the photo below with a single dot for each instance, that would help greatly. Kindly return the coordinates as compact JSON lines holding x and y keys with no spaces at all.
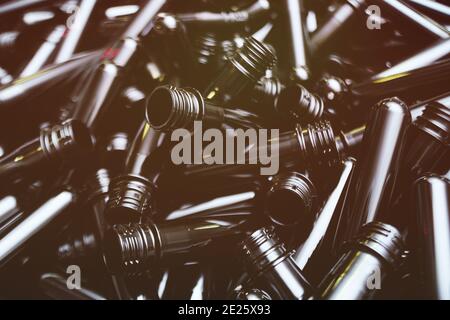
{"x":423,"y":58}
{"x":432,"y":7}
{"x":241,"y":71}
{"x":340,"y":19}
{"x":436,"y":73}
{"x":220,"y":19}
{"x":314,"y":254}
{"x":407,"y":74}
{"x":15,"y":5}
{"x":412,"y":19}
{"x":310,"y":146}
{"x":68,"y":142}
{"x":45,"y":51}
{"x":432,"y":199}
{"x":131,"y":193}
{"x":169,"y":108}
{"x":293,"y":17}
{"x":135,"y":248}
{"x":175,"y":45}
{"x":373,"y":187}
{"x":9,"y":207}
{"x":428,"y":143}
{"x":37,"y":84}
{"x":371,"y":257}
{"x":76,"y":30}
{"x":12,"y":242}
{"x":268,"y":259}
{"x":300,"y":103}
{"x":98,"y":90}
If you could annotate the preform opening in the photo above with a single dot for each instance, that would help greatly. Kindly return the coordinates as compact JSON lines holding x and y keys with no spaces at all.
{"x":159,"y":107}
{"x":285,"y":207}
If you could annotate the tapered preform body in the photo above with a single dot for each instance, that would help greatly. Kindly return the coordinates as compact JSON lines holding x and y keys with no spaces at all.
{"x":243,"y":204}
{"x":340,"y":19}
{"x":407,"y":74}
{"x":432,"y":208}
{"x":411,"y":19}
{"x":241,"y":72}
{"x":99,"y":89}
{"x":45,"y":51}
{"x":30,"y":87}
{"x":427,"y":148}
{"x":370,"y":258}
{"x":432,"y":53}
{"x":315,"y":254}
{"x":14,"y":240}
{"x":376,"y":174}
{"x":235,"y":19}
{"x":135,"y":248}
{"x":65,"y":143}
{"x":15,"y":6}
{"x":432,"y":7}
{"x":291,"y":199}
{"x":434,"y":74}
{"x":293,"y":17}
{"x":131,"y":193}
{"x":75,"y":31}
{"x":98,"y":190}
{"x":175,"y":45}
{"x":268,"y":260}
{"x":16,"y":203}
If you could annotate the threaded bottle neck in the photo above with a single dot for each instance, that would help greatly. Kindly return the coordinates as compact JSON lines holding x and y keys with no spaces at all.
{"x":129,"y":197}
{"x":70,"y":140}
{"x":291,"y":199}
{"x":267,"y":90}
{"x":317,"y":143}
{"x":170,"y":108}
{"x":253,"y":59}
{"x":98,"y":184}
{"x":382,"y":239}
{"x":130,"y":248}
{"x":298,"y":102}
{"x":206,"y":47}
{"x":263,"y":250}
{"x":435,"y":121}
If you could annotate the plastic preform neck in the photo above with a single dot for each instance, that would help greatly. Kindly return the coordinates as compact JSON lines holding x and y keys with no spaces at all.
{"x":207,"y":47}
{"x":253,"y":59}
{"x":68,"y":141}
{"x":263,"y":250}
{"x":435,"y":121}
{"x":98,"y":185}
{"x":267,"y":89}
{"x":130,"y":248}
{"x":382,"y":239}
{"x":300,"y":103}
{"x":170,"y":108}
{"x":292,"y":189}
{"x":131,"y":192}
{"x":318,"y":144}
